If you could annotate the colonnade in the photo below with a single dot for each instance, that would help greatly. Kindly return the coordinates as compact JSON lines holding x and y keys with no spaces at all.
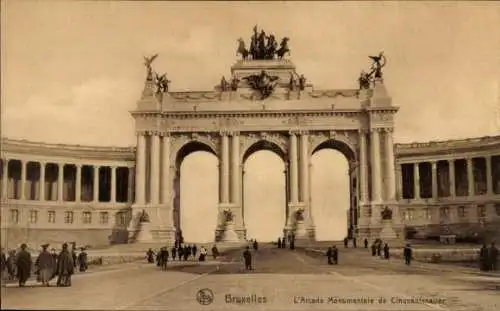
{"x":461,"y":177}
{"x":65,"y":182}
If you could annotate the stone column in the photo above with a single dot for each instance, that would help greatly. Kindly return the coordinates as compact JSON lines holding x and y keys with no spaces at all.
{"x":451,"y":167}
{"x":225,"y":168}
{"x":96,"y":183}
{"x":294,"y":182}
{"x":41,"y":197}
{"x":363,"y":172}
{"x":235,"y":168}
{"x":304,"y":167}
{"x":470,"y":177}
{"x":60,"y":182}
{"x":390,"y":168}
{"x":489,"y":176}
{"x":23,"y":179}
{"x":155,"y":169}
{"x":5,"y":179}
{"x":416,"y":181}
{"x":113,"y":184}
{"x":165,"y":171}
{"x":434,"y":180}
{"x":399,"y":185}
{"x":78,"y":186}
{"x":130,"y":185}
{"x":375,"y":163}
{"x":140,"y":170}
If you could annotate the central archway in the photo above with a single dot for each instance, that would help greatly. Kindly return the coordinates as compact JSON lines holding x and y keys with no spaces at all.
{"x":333,"y":190}
{"x":196,"y":188}
{"x":264,"y":191}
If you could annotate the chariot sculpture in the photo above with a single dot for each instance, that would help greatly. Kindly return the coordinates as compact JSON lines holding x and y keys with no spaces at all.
{"x":263,"y":46}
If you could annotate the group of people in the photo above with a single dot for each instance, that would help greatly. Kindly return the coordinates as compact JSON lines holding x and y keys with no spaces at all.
{"x":19,"y":265}
{"x":180,"y":252}
{"x":488,"y":257}
{"x":291,"y":240}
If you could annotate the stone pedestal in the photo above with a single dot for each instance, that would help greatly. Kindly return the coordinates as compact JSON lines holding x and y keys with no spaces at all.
{"x":229,"y":234}
{"x":388,"y":234}
{"x":144,"y":233}
{"x":301,"y":230}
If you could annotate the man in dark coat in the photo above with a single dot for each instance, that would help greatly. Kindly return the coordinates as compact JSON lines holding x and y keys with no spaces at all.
{"x":186,"y":252}
{"x":283,"y":242}
{"x":24,"y":265}
{"x":329,"y":254}
{"x":493,"y":257}
{"x":335,"y":254}
{"x":180,"y":251}
{"x":255,"y":245}
{"x":65,"y":267}
{"x":366,"y":242}
{"x":484,"y":258}
{"x":82,"y":260}
{"x":379,"y":248}
{"x":46,"y":266}
{"x":163,"y":258}
{"x":346,"y":242}
{"x":174,"y":252}
{"x":194,"y":249}
{"x":215,"y":251}
{"x":247,"y":258}
{"x":386,"y":251}
{"x":407,"y":254}
{"x":374,"y":249}
{"x":150,"y":256}
{"x":279,"y":242}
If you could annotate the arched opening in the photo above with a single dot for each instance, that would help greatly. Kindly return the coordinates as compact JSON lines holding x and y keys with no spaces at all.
{"x":196,"y":188}
{"x":333,"y":190}
{"x":264,"y":191}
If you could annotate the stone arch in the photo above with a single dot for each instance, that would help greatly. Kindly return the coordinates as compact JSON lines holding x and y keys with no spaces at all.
{"x":183,"y":145}
{"x":264,"y":144}
{"x":340,"y":144}
{"x":190,"y":147}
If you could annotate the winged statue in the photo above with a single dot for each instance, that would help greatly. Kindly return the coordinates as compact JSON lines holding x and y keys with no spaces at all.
{"x":263,"y":82}
{"x":162,"y":83}
{"x":148,"y":61}
{"x":379,"y":62}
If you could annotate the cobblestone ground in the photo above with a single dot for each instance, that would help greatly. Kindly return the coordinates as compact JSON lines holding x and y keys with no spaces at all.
{"x":282,"y":280}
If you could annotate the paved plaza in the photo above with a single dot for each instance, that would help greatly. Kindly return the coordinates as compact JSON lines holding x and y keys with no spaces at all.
{"x":282,"y":280}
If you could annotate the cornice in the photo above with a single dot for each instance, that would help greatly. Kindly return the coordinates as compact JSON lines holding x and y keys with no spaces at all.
{"x":448,"y":146}
{"x":247,"y":114}
{"x":18,"y":146}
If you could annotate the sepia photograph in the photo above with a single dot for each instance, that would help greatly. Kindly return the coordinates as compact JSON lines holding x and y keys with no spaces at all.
{"x":250,"y":155}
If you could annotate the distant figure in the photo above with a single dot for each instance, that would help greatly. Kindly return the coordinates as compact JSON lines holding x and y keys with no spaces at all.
{"x":279,"y":242}
{"x":255,"y":245}
{"x":174,"y":252}
{"x":203,"y":254}
{"x":180,"y":251}
{"x":283,"y":242}
{"x":366,"y":243}
{"x":335,"y":254}
{"x":493,"y":257}
{"x":386,"y":251}
{"x":379,"y":249}
{"x":186,"y":252}
{"x":346,"y":242}
{"x":45,"y":265}
{"x":150,"y":256}
{"x":65,"y":267}
{"x":82,"y":260}
{"x":292,"y":243}
{"x":374,"y":249}
{"x":163,"y":258}
{"x":329,"y":255}
{"x":23,"y":263}
{"x":215,"y":251}
{"x":354,"y":244}
{"x":484,"y":259}
{"x":247,"y":258}
{"x":408,"y":254}
{"x":194,"y":249}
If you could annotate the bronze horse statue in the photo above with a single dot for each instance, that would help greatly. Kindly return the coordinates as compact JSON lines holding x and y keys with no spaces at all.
{"x":242,"y":49}
{"x":283,"y":48}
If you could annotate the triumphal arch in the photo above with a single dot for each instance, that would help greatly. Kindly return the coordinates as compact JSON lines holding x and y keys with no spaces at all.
{"x":265,"y":105}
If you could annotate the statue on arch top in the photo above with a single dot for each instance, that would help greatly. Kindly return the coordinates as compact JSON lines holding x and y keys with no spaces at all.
{"x":263,"y":46}
{"x":242,"y":49}
{"x":263,"y":82}
{"x":147,"y":62}
{"x":161,"y":83}
{"x":364,"y":80}
{"x":379,"y":62}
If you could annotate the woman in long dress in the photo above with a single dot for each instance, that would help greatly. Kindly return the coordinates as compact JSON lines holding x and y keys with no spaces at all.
{"x":65,"y":267}
{"x":45,"y":265}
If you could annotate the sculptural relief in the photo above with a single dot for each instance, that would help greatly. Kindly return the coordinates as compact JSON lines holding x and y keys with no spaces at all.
{"x":263,"y":83}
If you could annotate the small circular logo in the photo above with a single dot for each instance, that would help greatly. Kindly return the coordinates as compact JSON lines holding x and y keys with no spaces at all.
{"x":205,"y":296}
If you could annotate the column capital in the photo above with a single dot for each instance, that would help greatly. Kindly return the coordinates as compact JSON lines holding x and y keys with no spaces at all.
{"x":388,"y":130}
{"x":225,"y":133}
{"x":293,"y":132}
{"x":303,"y":132}
{"x":234,"y":133}
{"x":375,"y":130}
{"x":140,"y":133}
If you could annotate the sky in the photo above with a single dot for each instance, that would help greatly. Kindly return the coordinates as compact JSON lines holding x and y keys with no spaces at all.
{"x":72,"y":70}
